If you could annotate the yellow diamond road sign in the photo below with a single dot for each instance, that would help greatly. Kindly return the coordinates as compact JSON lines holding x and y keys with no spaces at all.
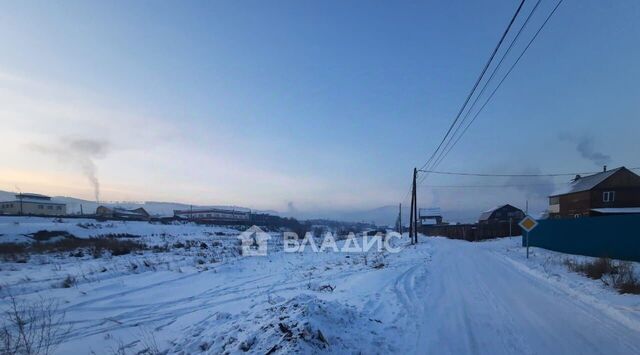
{"x":528,"y":223}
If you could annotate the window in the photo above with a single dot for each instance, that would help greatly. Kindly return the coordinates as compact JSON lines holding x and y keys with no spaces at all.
{"x":554,"y":200}
{"x":49,"y":207}
{"x":608,"y":196}
{"x":59,"y":208}
{"x":40,"y":207}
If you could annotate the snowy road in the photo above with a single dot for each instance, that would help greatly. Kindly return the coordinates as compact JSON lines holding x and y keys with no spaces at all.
{"x":477,"y":302}
{"x":439,"y":297}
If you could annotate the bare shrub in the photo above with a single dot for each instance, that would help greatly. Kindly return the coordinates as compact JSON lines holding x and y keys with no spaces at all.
{"x":69,"y":282}
{"x":619,"y":275}
{"x":623,"y":278}
{"x":12,"y":251}
{"x":147,"y":341}
{"x":595,"y":269}
{"x":96,"y":252}
{"x":12,"y":248}
{"x":96,"y":245}
{"x":35,"y":328}
{"x":45,"y":235}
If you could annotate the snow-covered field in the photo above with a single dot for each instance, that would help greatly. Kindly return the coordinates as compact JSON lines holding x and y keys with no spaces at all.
{"x":439,"y":297}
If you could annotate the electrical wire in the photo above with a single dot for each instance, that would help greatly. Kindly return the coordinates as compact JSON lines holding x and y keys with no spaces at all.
{"x":514,"y":175}
{"x":475,"y":86}
{"x":499,"y":84}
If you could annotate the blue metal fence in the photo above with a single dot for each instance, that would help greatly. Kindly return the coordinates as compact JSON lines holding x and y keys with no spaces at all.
{"x":616,"y":237}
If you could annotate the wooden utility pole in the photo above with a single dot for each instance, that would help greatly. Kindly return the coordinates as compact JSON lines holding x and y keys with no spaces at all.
{"x":414,"y":216}
{"x":510,"y":224}
{"x":411,"y":224}
{"x":400,"y":219}
{"x":527,"y":232}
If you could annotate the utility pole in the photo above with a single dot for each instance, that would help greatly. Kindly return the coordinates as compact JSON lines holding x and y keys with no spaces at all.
{"x":527,"y":233}
{"x":414,"y":216}
{"x":400,"y":219}
{"x":510,"y":224}
{"x":411,"y":224}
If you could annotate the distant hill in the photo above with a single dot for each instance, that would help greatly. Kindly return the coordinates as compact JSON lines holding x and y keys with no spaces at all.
{"x":386,"y":215}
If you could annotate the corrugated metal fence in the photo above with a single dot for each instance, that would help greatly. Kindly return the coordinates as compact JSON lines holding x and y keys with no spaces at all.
{"x":615,"y":237}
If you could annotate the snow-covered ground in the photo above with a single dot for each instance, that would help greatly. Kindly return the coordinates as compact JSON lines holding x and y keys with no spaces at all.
{"x":441,"y":296}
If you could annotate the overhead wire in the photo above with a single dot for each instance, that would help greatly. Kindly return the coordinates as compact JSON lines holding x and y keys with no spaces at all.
{"x":499,"y":84}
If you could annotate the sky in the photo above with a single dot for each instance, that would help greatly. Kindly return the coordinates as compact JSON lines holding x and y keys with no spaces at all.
{"x":310,"y":108}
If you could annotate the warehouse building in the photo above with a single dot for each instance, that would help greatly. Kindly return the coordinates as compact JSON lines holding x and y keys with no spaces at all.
{"x":214,"y":215}
{"x":33,"y":205}
{"x":119,"y":213}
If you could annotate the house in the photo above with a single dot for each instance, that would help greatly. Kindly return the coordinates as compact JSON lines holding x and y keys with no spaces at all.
{"x":501,"y":214}
{"x":137,"y":214}
{"x":214,"y":215}
{"x":33,"y":204}
{"x":430,"y":216}
{"x":615,"y":191}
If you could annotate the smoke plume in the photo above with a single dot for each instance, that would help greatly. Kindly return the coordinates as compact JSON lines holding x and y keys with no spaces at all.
{"x":585,"y":145}
{"x":532,"y":187}
{"x":586,"y":148}
{"x":82,"y":153}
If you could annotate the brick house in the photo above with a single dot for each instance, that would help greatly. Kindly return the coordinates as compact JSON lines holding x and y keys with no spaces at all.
{"x":610,"y":191}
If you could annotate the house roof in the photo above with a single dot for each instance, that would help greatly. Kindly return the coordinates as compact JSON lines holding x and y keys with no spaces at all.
{"x":211,"y":210}
{"x":486,"y":214}
{"x":585,"y":183}
{"x":29,"y":195}
{"x":622,"y":210}
{"x":123,"y":211}
{"x":430,"y":212}
{"x":133,"y":212}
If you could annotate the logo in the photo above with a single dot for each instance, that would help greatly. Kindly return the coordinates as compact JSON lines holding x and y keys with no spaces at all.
{"x":254,"y":241}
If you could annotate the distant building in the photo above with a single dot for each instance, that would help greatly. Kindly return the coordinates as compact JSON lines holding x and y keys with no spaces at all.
{"x":33,"y":204}
{"x":501,"y":214}
{"x":213,"y":215}
{"x":615,"y":191}
{"x":430,"y":216}
{"x":137,"y":214}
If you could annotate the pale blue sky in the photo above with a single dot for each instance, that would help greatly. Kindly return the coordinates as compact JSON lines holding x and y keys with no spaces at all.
{"x":326,"y":104}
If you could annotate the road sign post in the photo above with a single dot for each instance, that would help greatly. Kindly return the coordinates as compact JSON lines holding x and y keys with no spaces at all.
{"x":528,"y":224}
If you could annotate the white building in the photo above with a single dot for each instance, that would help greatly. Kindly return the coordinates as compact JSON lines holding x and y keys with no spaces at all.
{"x":213,"y":215}
{"x":33,"y":204}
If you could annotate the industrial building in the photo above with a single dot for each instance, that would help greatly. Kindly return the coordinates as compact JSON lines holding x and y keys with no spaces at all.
{"x":214,"y":215}
{"x":138,"y":214}
{"x":33,"y":205}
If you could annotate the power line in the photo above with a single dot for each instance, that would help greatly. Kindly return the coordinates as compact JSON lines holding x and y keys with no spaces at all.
{"x":475,"y":86}
{"x":500,"y":83}
{"x":512,"y":175}
{"x":487,"y":82}
{"x":491,"y":186}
